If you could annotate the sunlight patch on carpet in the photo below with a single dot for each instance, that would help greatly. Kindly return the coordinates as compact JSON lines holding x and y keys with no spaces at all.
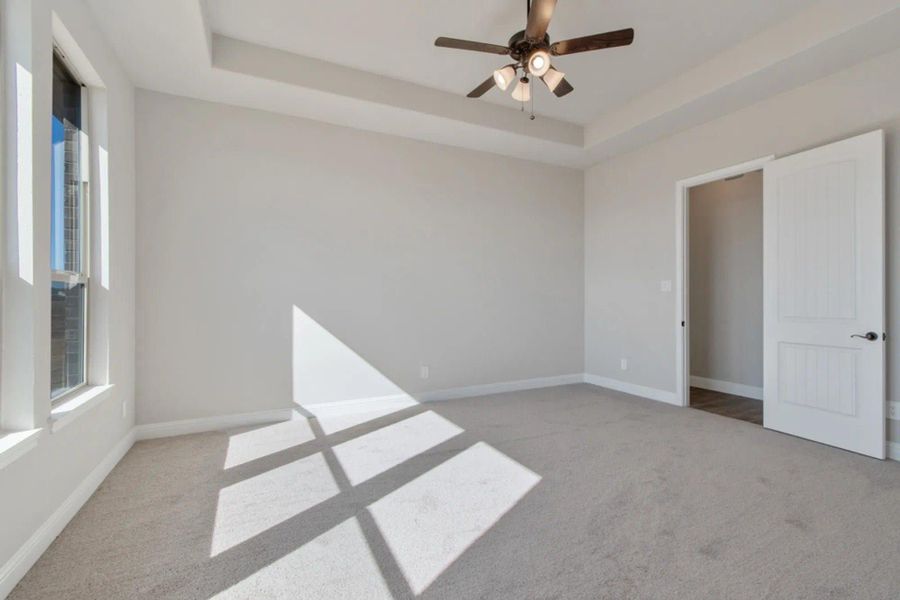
{"x":256,"y":443}
{"x":251,"y":506}
{"x":337,"y":564}
{"x":429,"y":522}
{"x":376,"y":452}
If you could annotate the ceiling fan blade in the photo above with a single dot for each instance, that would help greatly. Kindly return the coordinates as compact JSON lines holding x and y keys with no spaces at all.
{"x":563,"y":88}
{"x":539,"y":19}
{"x":611,"y":39}
{"x":445,"y":42}
{"x":481,"y":89}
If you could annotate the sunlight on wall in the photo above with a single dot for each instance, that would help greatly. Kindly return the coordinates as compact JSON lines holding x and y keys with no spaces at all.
{"x":254,"y":505}
{"x":374,"y":453}
{"x":262,"y":441}
{"x":327,"y":370}
{"x":335,"y":383}
{"x":103,"y":166}
{"x":337,"y":564}
{"x":429,"y":522}
{"x":24,"y":172}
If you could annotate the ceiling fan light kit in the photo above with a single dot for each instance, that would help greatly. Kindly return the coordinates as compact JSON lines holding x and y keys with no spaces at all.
{"x":531,"y":49}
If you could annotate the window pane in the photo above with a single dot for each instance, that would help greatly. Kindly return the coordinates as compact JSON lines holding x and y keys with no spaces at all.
{"x":67,"y":300}
{"x":66,"y":186}
{"x":67,"y":318}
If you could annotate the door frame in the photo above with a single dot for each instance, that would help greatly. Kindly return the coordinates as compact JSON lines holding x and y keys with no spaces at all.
{"x":682,"y":265}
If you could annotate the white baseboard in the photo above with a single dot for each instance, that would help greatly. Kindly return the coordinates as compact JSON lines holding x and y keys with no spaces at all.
{"x":172,"y":428}
{"x":633,"y":389}
{"x":346,"y":407}
{"x":727,"y":387}
{"x":40,"y":540}
{"x":401,"y":401}
{"x":499,"y":388}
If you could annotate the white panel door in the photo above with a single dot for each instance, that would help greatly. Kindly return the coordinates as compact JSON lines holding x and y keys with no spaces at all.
{"x":824,"y":295}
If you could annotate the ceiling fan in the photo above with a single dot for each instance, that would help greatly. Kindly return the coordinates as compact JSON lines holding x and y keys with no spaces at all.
{"x":531,"y":50}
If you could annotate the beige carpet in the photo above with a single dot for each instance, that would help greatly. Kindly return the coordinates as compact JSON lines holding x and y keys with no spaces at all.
{"x":569,"y":492}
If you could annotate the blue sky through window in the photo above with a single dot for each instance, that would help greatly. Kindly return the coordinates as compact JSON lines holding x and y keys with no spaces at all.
{"x":57,"y":197}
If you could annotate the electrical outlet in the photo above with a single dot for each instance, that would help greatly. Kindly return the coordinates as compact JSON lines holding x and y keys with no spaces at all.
{"x":665,"y":285}
{"x":423,"y":371}
{"x":894,"y":411}
{"x":624,"y":364}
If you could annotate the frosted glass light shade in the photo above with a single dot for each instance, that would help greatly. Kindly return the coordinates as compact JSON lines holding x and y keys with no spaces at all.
{"x":538,"y":62}
{"x":552,"y":78}
{"x":503,"y":77}
{"x":522,"y":93}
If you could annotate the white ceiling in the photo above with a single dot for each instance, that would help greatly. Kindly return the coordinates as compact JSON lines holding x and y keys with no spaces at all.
{"x":395,"y":38}
{"x":371,"y":64}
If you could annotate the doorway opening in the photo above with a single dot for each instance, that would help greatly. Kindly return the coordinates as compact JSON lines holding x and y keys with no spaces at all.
{"x":720,"y":288}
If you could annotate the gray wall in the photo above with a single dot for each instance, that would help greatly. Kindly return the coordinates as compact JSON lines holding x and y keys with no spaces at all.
{"x":396,"y":253}
{"x":726,"y":280}
{"x":630,"y":212}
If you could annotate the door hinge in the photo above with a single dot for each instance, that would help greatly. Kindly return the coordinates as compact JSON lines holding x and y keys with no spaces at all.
{"x":884,"y":336}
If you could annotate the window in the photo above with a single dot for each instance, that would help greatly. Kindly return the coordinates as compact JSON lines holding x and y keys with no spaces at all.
{"x":68,"y":260}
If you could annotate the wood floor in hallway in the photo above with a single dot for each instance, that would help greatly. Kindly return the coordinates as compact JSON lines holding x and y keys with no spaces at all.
{"x":728,"y":405}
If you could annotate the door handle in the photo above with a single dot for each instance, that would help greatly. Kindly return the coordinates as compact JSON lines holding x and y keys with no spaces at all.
{"x":871,"y":336}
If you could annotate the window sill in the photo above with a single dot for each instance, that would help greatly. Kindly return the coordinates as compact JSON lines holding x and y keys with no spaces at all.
{"x":14,"y":444}
{"x":77,"y":404}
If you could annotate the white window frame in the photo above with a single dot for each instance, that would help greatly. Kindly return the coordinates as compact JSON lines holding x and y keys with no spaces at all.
{"x":83,"y":276}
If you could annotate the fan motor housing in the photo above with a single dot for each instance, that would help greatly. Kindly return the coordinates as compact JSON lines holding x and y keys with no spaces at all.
{"x":520,"y":46}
